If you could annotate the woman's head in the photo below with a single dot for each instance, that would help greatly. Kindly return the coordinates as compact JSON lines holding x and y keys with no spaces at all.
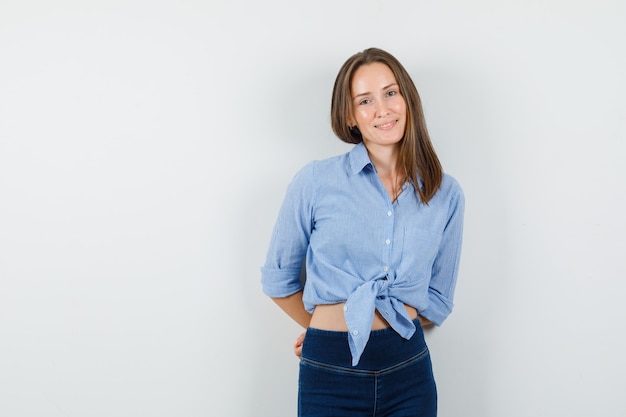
{"x":378,"y":108}
{"x":417,"y":156}
{"x":342,"y":106}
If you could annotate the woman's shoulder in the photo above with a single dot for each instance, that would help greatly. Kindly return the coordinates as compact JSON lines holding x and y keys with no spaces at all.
{"x":323,"y":167}
{"x":450,"y":188}
{"x":450,"y":182}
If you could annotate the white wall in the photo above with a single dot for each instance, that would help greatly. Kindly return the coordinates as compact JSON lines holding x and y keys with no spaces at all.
{"x":145,"y":148}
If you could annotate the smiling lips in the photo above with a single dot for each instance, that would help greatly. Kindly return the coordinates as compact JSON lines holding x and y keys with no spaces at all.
{"x":387,"y":125}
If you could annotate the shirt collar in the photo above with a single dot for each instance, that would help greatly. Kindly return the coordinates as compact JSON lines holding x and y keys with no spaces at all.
{"x":359,"y":158}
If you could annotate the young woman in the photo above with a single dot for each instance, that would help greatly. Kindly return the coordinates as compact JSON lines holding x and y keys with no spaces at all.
{"x":379,"y":229}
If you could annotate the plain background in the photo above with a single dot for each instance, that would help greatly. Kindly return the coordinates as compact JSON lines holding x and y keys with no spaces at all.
{"x":145,"y":147}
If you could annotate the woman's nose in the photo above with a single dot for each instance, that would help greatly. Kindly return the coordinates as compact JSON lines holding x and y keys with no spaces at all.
{"x":381,"y":108}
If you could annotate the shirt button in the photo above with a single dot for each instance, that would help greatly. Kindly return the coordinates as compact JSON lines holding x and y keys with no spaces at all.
{"x":385,"y":268}
{"x":387,"y":241}
{"x":389,"y":213}
{"x":355,"y":332}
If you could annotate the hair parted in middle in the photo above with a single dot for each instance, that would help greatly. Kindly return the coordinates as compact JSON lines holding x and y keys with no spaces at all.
{"x":417,"y":155}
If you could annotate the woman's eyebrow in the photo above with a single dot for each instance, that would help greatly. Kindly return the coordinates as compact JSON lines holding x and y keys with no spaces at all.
{"x":368,"y":93}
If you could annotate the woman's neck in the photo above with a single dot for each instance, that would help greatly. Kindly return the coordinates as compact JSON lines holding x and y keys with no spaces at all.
{"x":385,"y":159}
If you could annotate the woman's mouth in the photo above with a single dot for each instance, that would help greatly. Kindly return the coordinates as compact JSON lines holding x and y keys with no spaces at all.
{"x":387,"y":126}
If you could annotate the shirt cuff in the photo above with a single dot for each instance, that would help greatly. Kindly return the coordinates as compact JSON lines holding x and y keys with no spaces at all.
{"x":278,"y":283}
{"x":439,"y":307}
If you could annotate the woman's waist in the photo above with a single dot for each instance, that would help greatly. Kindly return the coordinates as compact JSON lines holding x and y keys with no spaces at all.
{"x":331,"y":317}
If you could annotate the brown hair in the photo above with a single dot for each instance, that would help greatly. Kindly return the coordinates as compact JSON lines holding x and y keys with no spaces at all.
{"x":417,"y":155}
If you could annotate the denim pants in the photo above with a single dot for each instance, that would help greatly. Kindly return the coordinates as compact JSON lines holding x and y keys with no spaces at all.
{"x":394,"y":376}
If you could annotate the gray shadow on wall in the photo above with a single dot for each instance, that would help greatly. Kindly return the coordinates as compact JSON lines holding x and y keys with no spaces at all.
{"x":302,"y":135}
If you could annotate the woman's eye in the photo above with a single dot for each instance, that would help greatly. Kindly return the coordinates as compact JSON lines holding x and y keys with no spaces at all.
{"x":365,"y":101}
{"x":391,"y":93}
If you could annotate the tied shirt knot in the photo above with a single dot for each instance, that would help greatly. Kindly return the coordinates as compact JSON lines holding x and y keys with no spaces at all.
{"x":359,"y":314}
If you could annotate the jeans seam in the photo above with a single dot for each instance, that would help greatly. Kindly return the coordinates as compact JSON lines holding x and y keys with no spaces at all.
{"x":376,"y":395}
{"x":407,"y":362}
{"x":362,"y":372}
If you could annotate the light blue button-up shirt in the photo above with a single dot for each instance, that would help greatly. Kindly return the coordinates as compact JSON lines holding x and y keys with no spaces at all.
{"x":363,"y":249}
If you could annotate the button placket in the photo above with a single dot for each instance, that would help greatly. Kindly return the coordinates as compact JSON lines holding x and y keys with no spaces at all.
{"x":388,"y":237}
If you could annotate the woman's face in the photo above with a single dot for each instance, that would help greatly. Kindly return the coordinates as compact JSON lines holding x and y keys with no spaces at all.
{"x":379,"y":111}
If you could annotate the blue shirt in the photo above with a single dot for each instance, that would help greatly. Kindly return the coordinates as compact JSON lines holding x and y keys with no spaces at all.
{"x":363,"y":249}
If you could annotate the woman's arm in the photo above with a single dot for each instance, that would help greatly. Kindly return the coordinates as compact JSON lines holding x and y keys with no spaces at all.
{"x":425,"y":322}
{"x":294,"y":307}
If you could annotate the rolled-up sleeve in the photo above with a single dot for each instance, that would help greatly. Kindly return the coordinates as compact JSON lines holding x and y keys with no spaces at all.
{"x":280,"y":275}
{"x":446,"y":263}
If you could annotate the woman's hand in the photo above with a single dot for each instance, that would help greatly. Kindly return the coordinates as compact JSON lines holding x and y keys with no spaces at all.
{"x":297,"y":346}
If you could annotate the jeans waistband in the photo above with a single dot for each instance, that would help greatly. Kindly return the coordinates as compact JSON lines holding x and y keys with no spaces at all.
{"x":385,"y":348}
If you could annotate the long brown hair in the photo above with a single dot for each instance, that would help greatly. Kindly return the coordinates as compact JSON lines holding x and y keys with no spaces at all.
{"x":417,"y":155}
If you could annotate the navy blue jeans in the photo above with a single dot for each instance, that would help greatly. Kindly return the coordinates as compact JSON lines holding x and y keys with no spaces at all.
{"x":394,"y":377}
